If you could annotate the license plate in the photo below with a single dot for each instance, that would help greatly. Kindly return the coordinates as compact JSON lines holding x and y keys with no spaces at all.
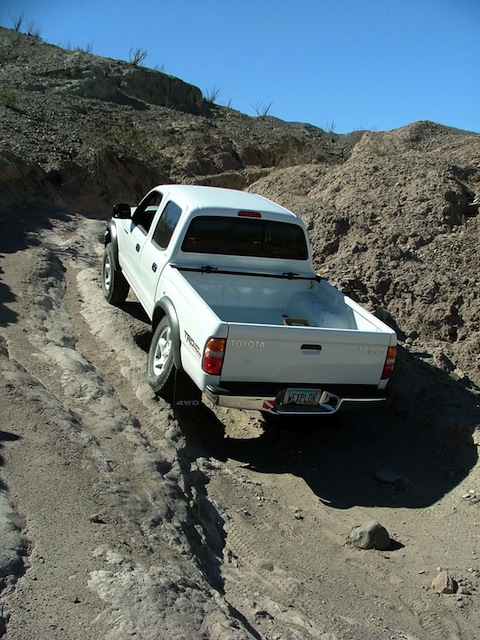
{"x":304,"y":397}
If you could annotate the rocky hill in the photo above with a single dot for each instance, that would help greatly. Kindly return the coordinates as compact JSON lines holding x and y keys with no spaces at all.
{"x":109,"y":127}
{"x":393,"y":218}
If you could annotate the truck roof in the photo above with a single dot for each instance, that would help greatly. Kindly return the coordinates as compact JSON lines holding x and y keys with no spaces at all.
{"x":222,"y":198}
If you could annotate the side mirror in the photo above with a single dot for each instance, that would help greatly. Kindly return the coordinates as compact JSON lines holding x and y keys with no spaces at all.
{"x":122,"y":211}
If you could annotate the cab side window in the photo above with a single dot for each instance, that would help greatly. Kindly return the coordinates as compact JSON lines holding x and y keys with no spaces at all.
{"x":166,"y":225}
{"x":146,"y":210}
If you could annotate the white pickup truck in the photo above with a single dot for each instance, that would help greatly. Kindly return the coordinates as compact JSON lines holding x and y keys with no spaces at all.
{"x":227,"y":280}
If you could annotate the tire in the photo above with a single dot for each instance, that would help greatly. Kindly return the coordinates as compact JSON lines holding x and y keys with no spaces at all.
{"x":160,"y":366}
{"x":114,"y":285}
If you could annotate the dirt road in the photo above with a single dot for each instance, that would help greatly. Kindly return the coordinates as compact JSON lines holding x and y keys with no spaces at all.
{"x":138,"y":522}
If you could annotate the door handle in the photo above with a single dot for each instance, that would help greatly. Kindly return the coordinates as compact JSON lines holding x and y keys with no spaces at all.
{"x":137,"y":248}
{"x":311,"y":347}
{"x":154,"y":267}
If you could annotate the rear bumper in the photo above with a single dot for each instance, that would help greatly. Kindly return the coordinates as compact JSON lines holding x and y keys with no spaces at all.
{"x":268,"y":399}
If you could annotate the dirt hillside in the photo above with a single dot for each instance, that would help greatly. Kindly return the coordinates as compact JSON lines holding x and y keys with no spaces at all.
{"x":120,"y":518}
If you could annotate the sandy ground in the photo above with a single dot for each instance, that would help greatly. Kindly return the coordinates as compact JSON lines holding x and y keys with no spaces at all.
{"x":128,"y":521}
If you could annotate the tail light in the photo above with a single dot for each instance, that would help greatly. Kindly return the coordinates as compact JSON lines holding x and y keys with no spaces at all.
{"x":389,"y":363}
{"x":249,"y":214}
{"x":213,"y":356}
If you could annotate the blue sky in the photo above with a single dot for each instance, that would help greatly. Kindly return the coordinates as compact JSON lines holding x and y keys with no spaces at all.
{"x":338,"y":64}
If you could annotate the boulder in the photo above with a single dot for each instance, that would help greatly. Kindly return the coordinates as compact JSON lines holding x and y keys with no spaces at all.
{"x":370,"y":535}
{"x":443,"y":583}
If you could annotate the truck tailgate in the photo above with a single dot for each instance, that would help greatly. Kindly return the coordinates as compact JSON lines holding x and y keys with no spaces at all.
{"x":303,"y":355}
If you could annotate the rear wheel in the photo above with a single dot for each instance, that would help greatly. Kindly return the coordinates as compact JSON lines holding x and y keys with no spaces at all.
{"x":160,"y":367}
{"x":115,"y":286}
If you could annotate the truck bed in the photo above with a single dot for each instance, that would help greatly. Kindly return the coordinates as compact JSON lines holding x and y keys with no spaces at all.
{"x":267,"y":301}
{"x":299,"y":331}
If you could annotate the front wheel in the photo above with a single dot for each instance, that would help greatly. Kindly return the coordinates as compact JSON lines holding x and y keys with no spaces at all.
{"x":160,"y":366}
{"x":115,"y":286}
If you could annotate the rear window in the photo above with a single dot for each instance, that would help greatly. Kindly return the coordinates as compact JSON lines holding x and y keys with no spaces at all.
{"x":245,"y":237}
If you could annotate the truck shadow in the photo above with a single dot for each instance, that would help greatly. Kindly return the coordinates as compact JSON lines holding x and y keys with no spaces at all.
{"x":407,"y":453}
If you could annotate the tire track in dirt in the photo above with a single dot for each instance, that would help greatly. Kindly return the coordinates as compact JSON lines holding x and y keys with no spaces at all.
{"x":261,"y":562}
{"x":172,"y":501}
{"x":146,"y":501}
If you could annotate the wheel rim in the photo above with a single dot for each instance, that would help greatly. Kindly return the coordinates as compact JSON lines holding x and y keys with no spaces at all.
{"x":162,"y":351}
{"x":107,"y":274}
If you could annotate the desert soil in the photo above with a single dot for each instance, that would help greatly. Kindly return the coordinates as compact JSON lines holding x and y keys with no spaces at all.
{"x":122,"y":518}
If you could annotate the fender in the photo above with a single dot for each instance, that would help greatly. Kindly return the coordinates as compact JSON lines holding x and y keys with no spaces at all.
{"x":164,"y":307}
{"x":111,"y":235}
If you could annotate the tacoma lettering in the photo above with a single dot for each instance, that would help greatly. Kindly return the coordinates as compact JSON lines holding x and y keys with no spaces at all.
{"x":192,"y":343}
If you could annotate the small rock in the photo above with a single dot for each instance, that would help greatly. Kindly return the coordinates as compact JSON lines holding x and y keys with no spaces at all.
{"x":97,"y":519}
{"x":390,"y":477}
{"x":262,"y":613}
{"x":443,"y":583}
{"x":443,"y":362}
{"x":371,"y":535}
{"x":386,"y":476}
{"x":17,"y":520}
{"x":144,"y":393}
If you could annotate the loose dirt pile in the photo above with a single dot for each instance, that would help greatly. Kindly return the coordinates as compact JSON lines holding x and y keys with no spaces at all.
{"x":122,"y":519}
